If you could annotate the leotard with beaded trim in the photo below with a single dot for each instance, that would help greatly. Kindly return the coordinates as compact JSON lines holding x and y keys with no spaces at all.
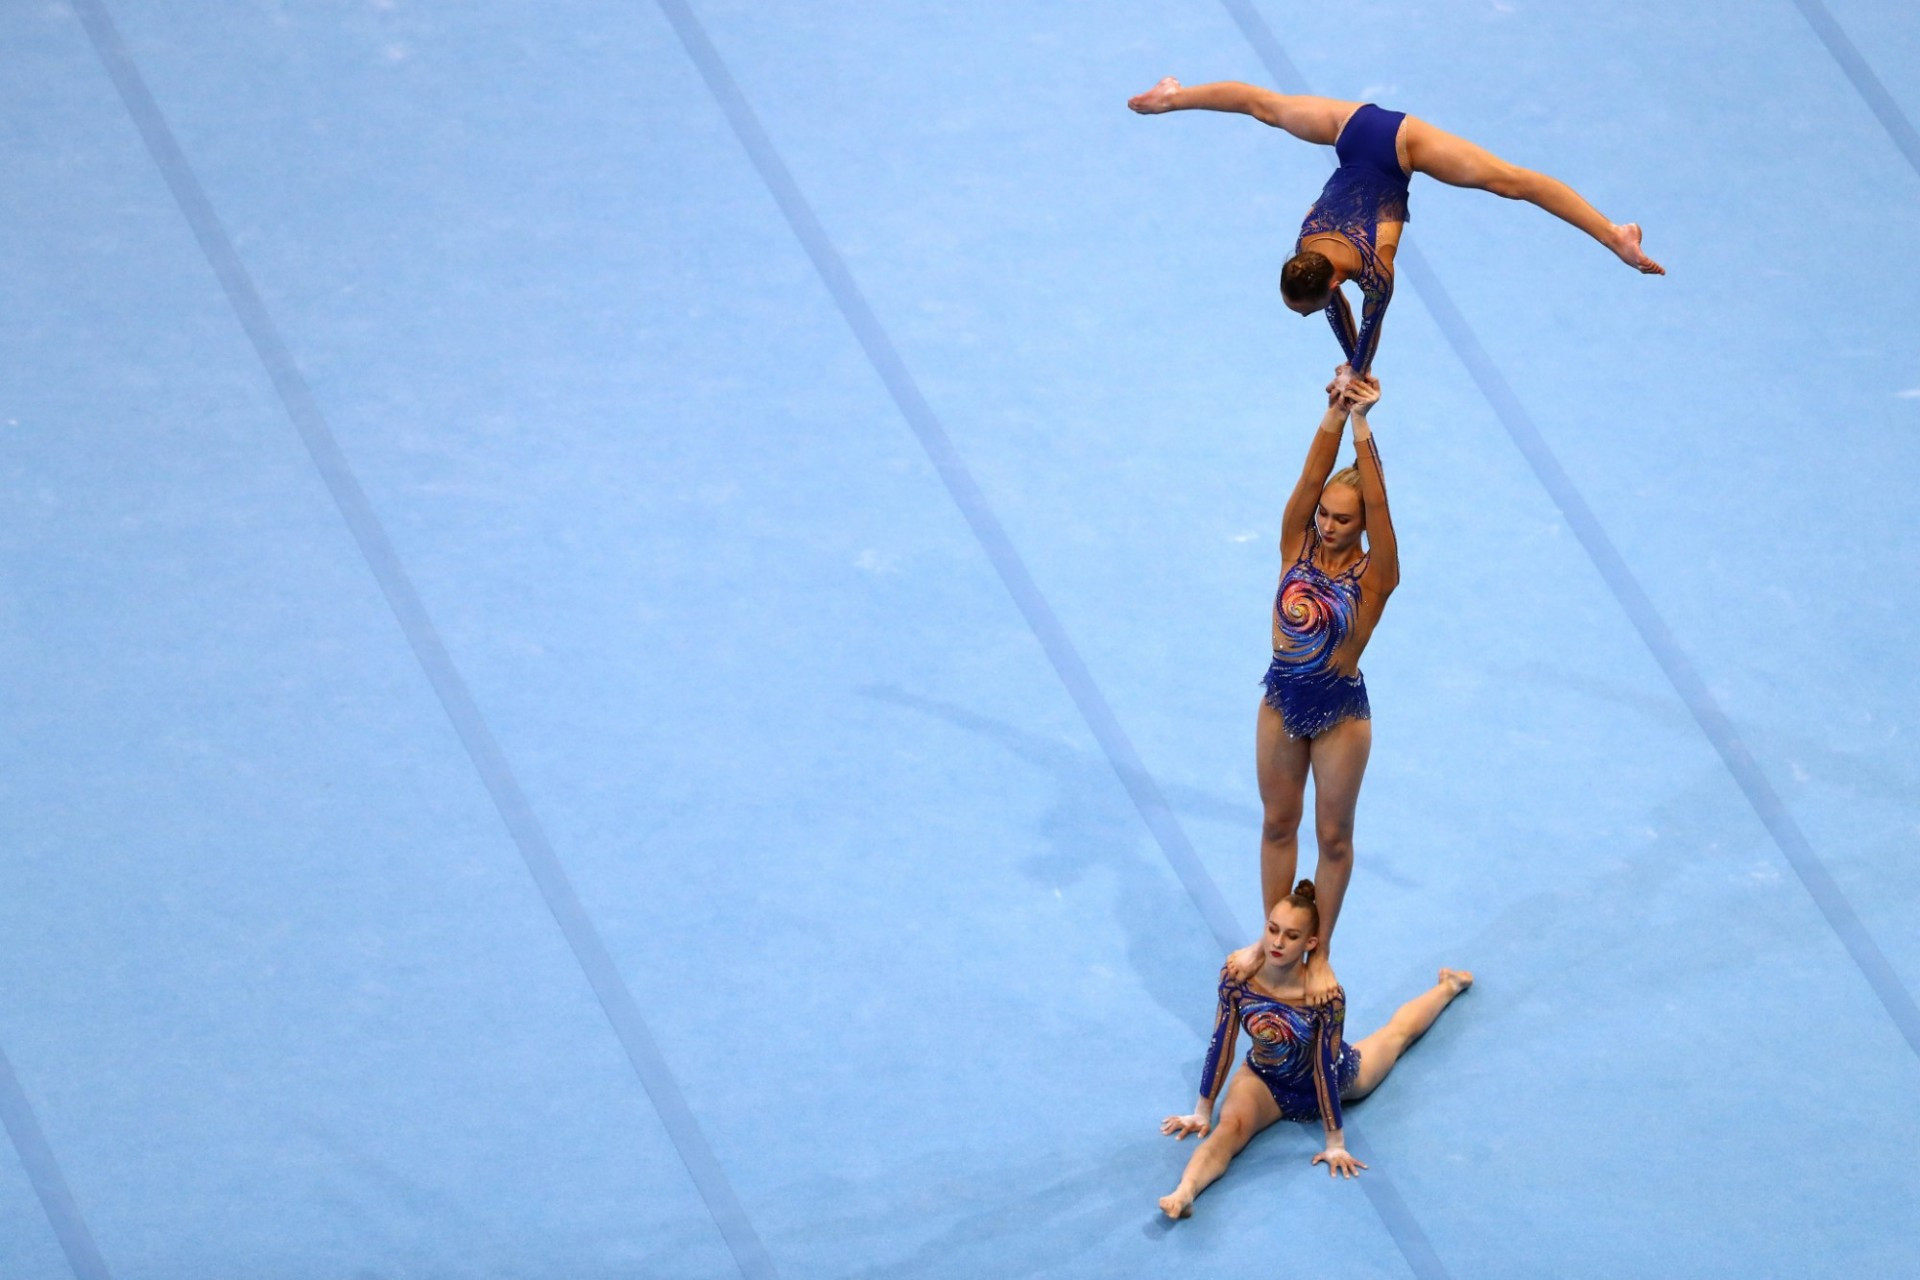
{"x":1367,"y":189}
{"x":1297,"y":1051}
{"x":1313,"y":613}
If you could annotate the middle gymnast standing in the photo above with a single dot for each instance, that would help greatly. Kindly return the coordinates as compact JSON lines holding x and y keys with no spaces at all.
{"x":1315,"y":717}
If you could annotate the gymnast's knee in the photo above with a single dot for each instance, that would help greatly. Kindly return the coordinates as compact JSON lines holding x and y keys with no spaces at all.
{"x":1232,"y":1131}
{"x":1279,"y":825}
{"x":1336,"y":844}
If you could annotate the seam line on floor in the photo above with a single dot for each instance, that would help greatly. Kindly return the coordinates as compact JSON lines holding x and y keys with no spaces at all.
{"x":416,"y":625}
{"x":1865,"y":82}
{"x":49,"y":1184}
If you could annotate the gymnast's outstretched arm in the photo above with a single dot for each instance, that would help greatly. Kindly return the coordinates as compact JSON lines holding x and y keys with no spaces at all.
{"x":1383,"y":549}
{"x":1340,"y":316}
{"x":1322,"y":454}
{"x":1359,"y":345}
{"x":1329,"y":1025}
{"x":1306,"y":118}
{"x":1219,"y":1064}
{"x":1373,"y":312}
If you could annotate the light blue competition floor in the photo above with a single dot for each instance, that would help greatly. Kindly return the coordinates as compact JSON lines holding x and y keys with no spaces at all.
{"x":631,"y":634}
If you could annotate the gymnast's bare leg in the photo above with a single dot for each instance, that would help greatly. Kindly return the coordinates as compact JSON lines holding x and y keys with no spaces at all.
{"x":1381,"y":1050}
{"x":1422,"y":149}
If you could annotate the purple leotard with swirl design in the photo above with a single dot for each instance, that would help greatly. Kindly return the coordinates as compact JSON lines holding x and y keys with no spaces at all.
{"x":1297,"y":1051}
{"x":1313,"y":613}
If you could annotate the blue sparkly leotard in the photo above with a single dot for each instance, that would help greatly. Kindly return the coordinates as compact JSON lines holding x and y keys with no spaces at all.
{"x":1313,"y":613}
{"x":1297,"y":1051}
{"x":1367,"y":189}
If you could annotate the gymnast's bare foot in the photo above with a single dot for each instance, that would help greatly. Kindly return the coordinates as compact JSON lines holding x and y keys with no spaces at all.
{"x":1157,"y":99}
{"x":1625,"y":242}
{"x":1318,"y":982}
{"x":1178,"y":1205}
{"x":1458,"y":979}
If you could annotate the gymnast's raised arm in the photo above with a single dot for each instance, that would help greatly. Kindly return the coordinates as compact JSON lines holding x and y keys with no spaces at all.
{"x":1219,"y":1064}
{"x":1382,"y":573}
{"x":1322,"y":454}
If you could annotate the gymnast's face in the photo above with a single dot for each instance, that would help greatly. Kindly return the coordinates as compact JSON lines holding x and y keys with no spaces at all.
{"x":1339,"y":517}
{"x":1308,"y":306}
{"x":1287,"y":935}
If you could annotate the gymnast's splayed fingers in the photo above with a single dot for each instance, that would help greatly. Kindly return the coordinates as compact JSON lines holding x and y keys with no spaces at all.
{"x":1190,"y":1126}
{"x":1340,"y":1162}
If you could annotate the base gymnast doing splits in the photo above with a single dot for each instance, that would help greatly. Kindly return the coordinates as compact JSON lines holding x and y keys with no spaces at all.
{"x":1353,"y":229}
{"x":1298,"y":1067}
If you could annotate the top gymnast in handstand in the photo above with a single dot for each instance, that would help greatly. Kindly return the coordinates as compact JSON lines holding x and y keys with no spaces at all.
{"x":1353,"y":229}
